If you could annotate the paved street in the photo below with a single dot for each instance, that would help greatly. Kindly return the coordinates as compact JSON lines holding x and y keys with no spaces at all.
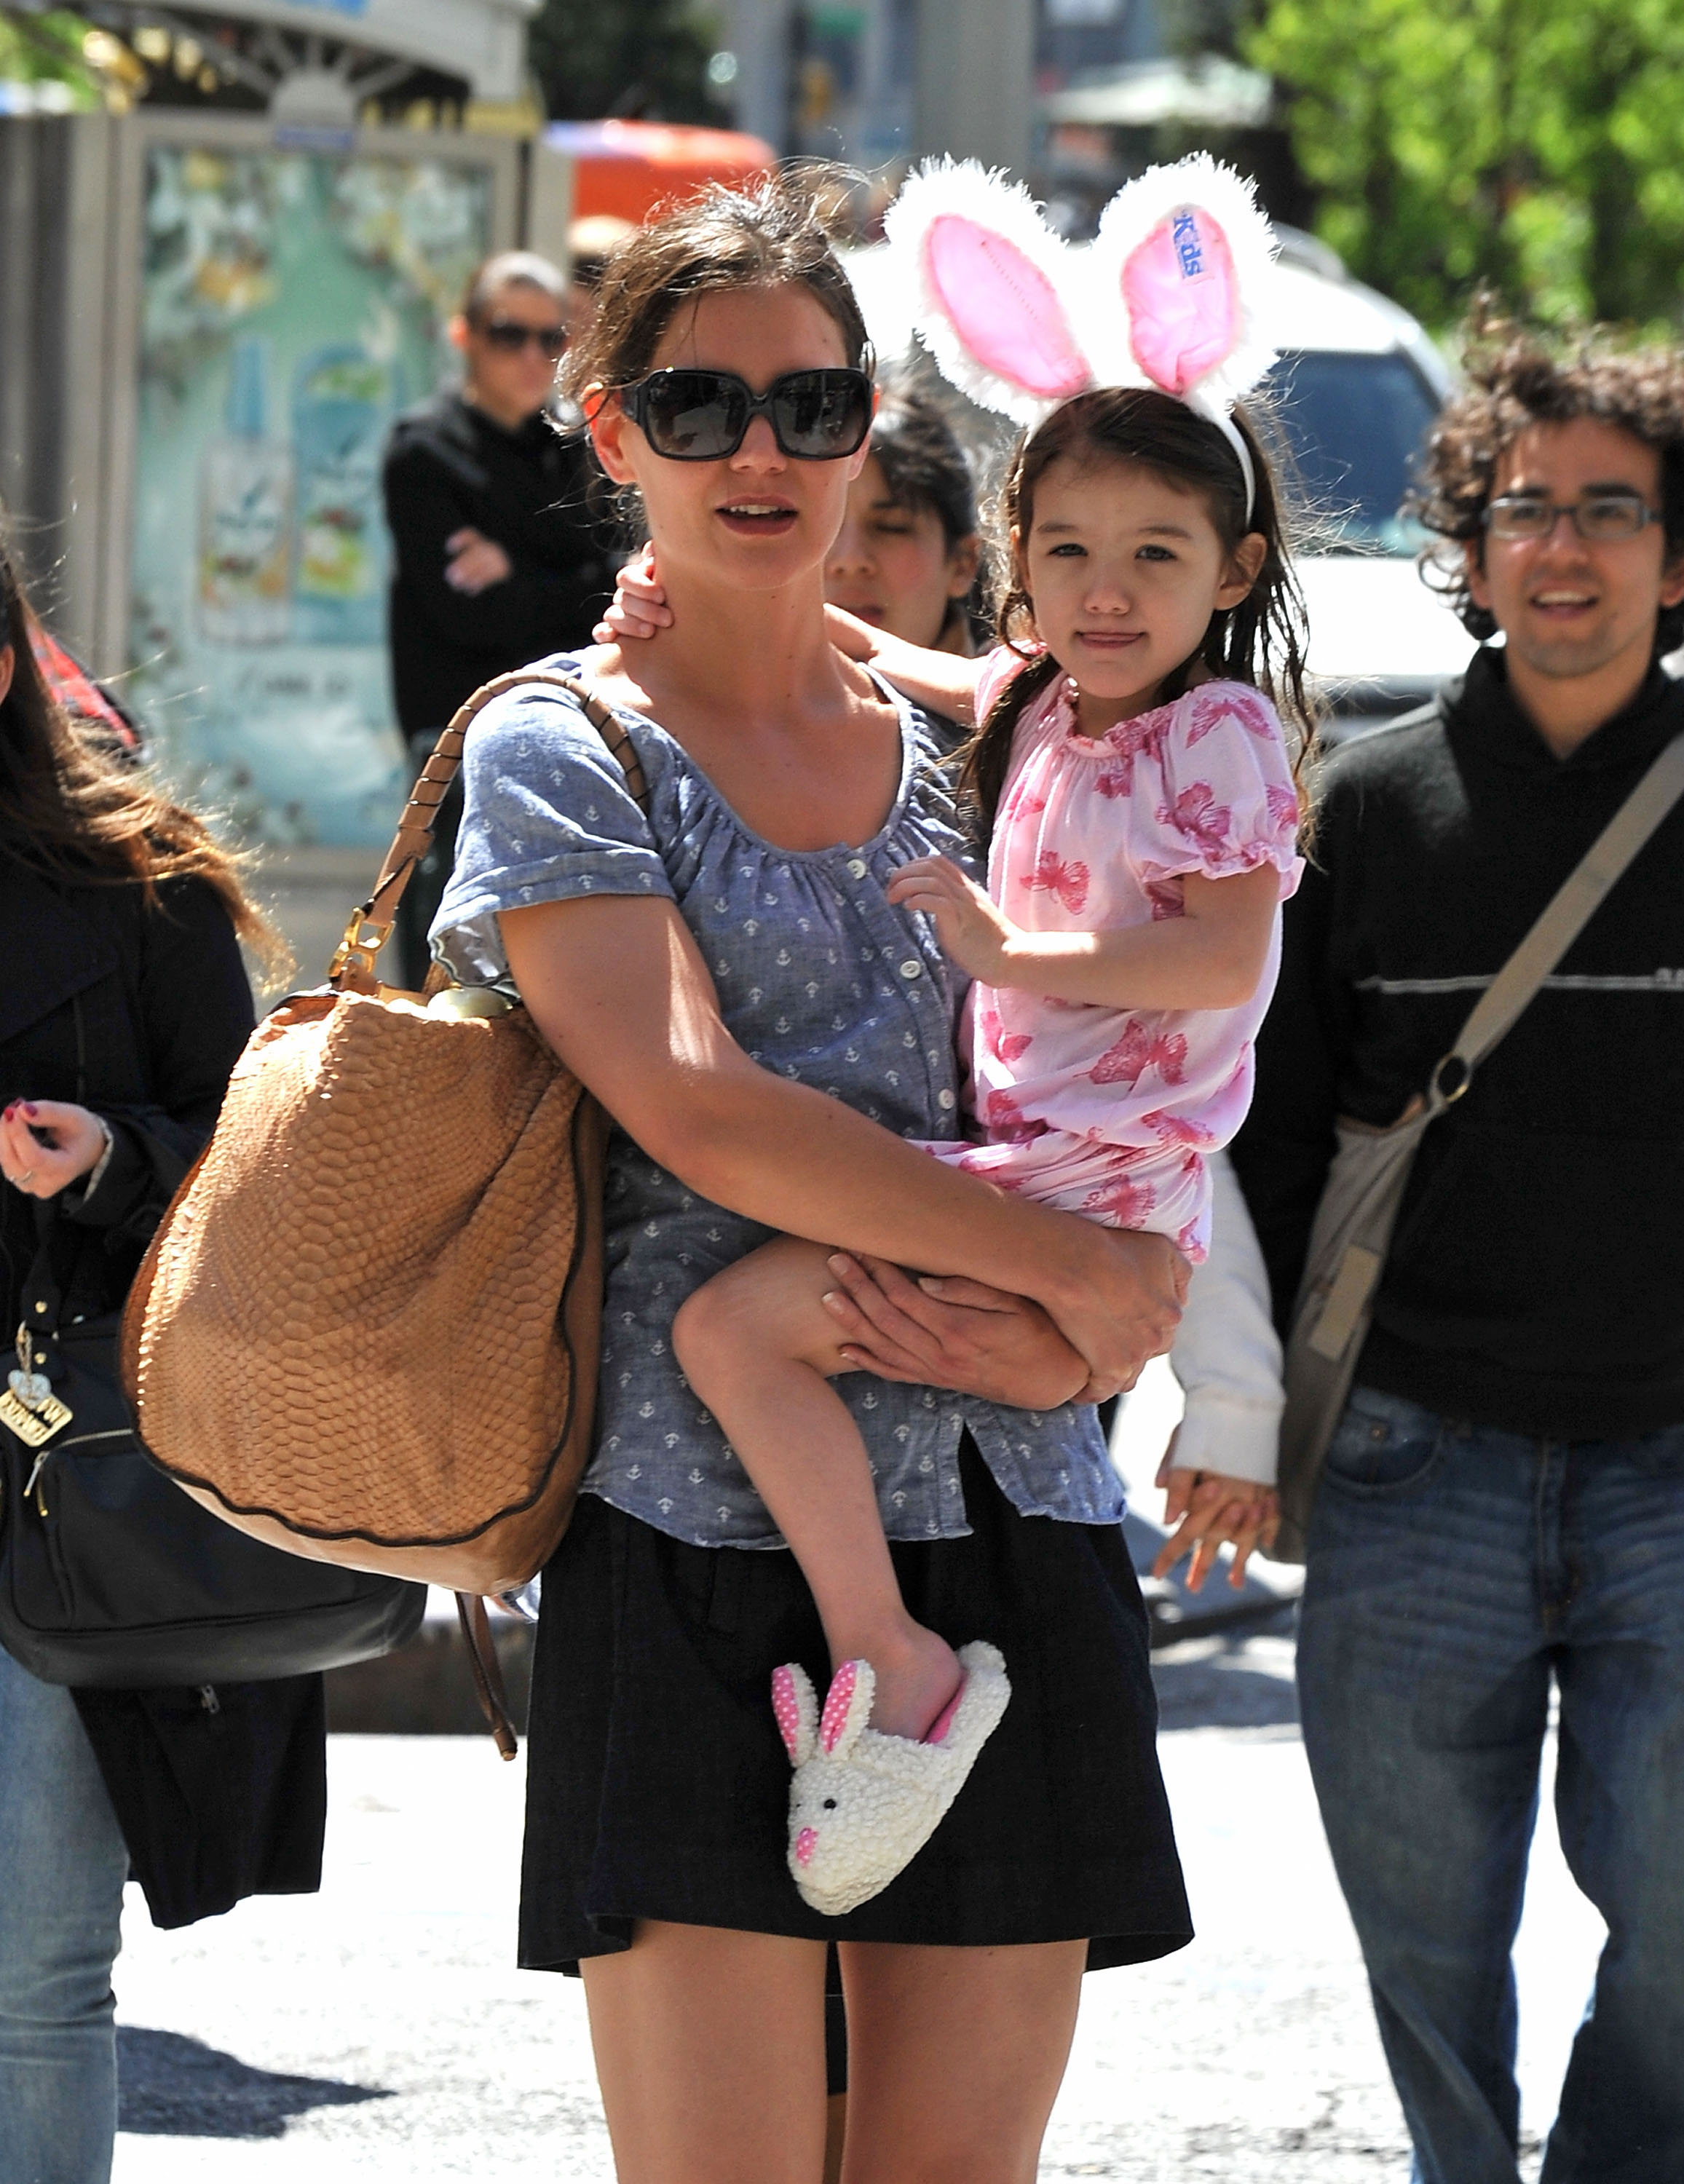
{"x":380,"y":2029}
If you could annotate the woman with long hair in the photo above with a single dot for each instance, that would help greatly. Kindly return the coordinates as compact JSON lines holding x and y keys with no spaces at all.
{"x":728,"y":976}
{"x":124,"y":1003}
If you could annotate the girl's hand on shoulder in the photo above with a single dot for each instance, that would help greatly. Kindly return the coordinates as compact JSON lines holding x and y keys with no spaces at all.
{"x":973,"y":932}
{"x":853,"y":639}
{"x":639,"y":607}
{"x":47,"y":1145}
{"x":1207,"y":1510}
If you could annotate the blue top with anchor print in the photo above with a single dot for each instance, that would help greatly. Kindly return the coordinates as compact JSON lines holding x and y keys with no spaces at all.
{"x":819,"y":979}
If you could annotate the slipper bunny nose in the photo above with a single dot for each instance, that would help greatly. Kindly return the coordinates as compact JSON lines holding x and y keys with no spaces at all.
{"x":805,"y":1844}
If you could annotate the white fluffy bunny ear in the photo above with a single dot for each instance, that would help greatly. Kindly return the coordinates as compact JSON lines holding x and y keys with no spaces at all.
{"x":985,"y":271}
{"x":1188,"y":254}
{"x":796,"y":1707}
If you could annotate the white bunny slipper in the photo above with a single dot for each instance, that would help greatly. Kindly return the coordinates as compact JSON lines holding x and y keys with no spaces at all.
{"x":864,"y":1805}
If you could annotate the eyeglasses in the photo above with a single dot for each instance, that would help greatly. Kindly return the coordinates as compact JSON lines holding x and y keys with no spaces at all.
{"x":702,"y":416}
{"x":1598,"y":518}
{"x":511,"y":335}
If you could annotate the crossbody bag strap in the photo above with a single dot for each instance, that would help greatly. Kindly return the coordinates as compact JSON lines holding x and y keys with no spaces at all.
{"x":371,"y":923}
{"x":1570,"y":910}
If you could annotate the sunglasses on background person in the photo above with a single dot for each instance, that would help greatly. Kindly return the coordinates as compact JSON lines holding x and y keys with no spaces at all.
{"x":1597,"y":518}
{"x":511,"y":335}
{"x":702,"y":416}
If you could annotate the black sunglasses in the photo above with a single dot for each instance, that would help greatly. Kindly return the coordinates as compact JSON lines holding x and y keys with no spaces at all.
{"x":700,"y":417}
{"x":510,"y":334}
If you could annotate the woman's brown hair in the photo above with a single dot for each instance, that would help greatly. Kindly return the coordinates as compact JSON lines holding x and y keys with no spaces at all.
{"x":771,"y":236}
{"x":1262,"y":641}
{"x":79,"y":815}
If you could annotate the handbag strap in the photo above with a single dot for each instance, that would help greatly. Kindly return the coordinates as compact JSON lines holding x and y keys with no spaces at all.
{"x":371,"y":923}
{"x":1569,"y":911}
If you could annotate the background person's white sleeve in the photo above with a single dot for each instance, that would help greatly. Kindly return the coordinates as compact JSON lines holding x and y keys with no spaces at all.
{"x":1227,"y":1354}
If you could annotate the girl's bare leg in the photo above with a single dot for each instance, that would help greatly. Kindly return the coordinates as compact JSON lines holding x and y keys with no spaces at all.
{"x":955,"y":2058}
{"x":710,"y":2053}
{"x":759,"y":1348}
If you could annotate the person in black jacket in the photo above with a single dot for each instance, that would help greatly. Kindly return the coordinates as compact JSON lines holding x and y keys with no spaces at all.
{"x":1502,"y":1509}
{"x":499,"y":556}
{"x":124,"y":1005}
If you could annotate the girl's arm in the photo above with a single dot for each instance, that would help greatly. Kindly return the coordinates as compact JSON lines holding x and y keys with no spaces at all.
{"x":945,"y":682}
{"x":618,"y":989}
{"x":1211,"y":957}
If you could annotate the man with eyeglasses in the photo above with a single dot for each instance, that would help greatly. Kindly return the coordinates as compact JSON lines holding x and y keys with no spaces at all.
{"x":501,"y":557}
{"x":1500,"y":1523}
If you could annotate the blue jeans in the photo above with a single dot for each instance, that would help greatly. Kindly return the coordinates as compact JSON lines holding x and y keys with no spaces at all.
{"x":63,"y":1865}
{"x":1453,"y":1571}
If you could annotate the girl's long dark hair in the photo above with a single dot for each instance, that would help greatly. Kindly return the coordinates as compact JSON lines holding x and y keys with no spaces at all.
{"x":1262,"y":641}
{"x":77,"y":813}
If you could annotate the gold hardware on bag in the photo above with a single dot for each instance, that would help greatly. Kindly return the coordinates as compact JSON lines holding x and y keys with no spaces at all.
{"x":364,"y":939}
{"x":461,"y":1003}
{"x":29,"y":1406}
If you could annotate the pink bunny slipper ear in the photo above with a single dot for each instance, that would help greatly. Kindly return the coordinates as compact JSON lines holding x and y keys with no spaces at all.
{"x":1189,"y":255}
{"x":847,"y":1708}
{"x":796,"y":1707}
{"x":985,"y":271}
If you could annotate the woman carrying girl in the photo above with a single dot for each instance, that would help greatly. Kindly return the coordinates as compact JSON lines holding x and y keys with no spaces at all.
{"x":730,"y":978}
{"x":1140,"y":797}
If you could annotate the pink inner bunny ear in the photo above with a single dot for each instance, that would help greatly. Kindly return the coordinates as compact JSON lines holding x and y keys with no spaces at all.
{"x":786,"y":1704}
{"x":1183,"y":300}
{"x":1003,"y":308}
{"x":834,"y":1718}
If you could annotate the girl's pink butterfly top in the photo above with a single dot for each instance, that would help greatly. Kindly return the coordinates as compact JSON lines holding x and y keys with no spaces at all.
{"x":1097,"y":833}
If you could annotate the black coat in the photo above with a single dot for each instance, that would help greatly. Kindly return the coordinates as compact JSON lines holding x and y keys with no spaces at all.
{"x":450,"y":466}
{"x":140,"y":1015}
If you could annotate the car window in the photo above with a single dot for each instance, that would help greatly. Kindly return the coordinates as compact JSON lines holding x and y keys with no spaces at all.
{"x":1352,"y":423}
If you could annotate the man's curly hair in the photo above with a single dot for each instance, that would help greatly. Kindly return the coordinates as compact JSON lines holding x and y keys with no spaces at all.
{"x":1515,"y":379}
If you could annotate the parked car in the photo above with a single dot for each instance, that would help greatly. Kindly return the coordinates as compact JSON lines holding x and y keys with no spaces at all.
{"x":1356,"y":390}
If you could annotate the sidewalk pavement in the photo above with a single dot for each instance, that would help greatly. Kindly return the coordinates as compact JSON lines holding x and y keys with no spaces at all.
{"x":381,"y":2031}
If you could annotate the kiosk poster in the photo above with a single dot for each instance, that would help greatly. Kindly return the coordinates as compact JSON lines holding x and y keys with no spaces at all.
{"x":293,"y":303}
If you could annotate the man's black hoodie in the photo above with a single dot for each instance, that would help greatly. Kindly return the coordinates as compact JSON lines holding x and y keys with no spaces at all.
{"x":1536,"y":1278}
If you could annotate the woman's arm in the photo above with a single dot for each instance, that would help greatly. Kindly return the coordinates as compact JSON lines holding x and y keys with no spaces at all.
{"x":1211,"y":957}
{"x":618,"y":989}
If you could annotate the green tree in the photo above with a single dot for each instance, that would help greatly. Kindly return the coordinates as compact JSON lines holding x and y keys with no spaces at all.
{"x":1536,"y":146}
{"x":639,"y":56}
{"x":40,"y":49}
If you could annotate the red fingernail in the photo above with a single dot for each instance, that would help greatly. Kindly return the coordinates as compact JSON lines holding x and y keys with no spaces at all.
{"x":29,"y":1108}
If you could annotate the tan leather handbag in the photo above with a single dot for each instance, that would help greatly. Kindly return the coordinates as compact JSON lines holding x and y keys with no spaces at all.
{"x":1365,"y":1185}
{"x":367,"y":1329}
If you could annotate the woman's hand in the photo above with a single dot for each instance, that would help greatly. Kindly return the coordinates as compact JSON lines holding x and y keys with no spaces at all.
{"x":639,"y":607}
{"x":954,"y":1334}
{"x":973,"y":934}
{"x":982,"y":1341}
{"x":47,"y":1145}
{"x":1209,"y":1509}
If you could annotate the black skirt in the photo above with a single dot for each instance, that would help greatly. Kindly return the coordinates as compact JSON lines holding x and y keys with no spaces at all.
{"x":657,"y":1786}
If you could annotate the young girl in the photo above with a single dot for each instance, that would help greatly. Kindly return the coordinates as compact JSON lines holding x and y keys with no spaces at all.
{"x":1144,"y":819}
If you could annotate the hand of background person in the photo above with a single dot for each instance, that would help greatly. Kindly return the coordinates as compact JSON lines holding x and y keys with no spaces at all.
{"x":639,"y":607}
{"x":69,"y":1147}
{"x":981,"y":1341}
{"x":1207,"y":1510}
{"x":475,"y":562}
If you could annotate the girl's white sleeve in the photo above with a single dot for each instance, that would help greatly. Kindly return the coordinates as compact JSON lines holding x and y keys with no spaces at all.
{"x":1227,"y":1354}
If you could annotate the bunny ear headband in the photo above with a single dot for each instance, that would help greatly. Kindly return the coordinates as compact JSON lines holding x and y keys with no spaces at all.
{"x":1165,"y":297}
